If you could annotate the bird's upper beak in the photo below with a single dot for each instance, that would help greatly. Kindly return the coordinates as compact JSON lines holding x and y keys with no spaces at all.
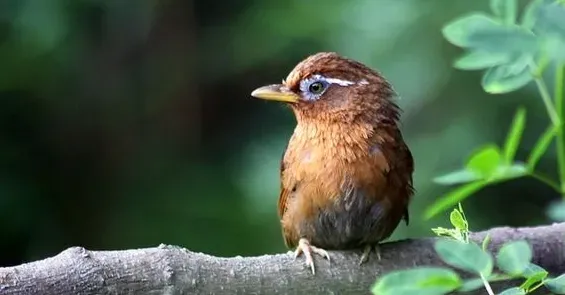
{"x":277,"y":92}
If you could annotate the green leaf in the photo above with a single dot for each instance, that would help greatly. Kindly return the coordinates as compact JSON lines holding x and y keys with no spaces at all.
{"x":460,"y":207}
{"x":472,"y":284}
{"x":556,"y":285}
{"x":515,"y":135}
{"x":485,"y":160}
{"x":458,"y":31}
{"x":541,"y":146}
{"x":527,"y":284}
{"x":453,"y":197}
{"x":514,"y":257}
{"x":547,"y":19}
{"x":478,"y":60}
{"x":512,"y":291}
{"x":534,"y":275}
{"x":534,"y":270}
{"x":506,"y":10}
{"x":508,"y":77}
{"x":479,"y":31}
{"x":469,"y":257}
{"x":457,"y":220}
{"x":505,"y":172}
{"x":461,"y":176}
{"x":554,"y":47}
{"x":422,"y":280}
{"x":557,"y":211}
{"x":531,"y":12}
{"x":551,"y":19}
{"x":486,"y":241}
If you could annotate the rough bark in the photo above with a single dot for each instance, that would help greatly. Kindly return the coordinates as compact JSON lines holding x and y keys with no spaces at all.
{"x":174,"y":270}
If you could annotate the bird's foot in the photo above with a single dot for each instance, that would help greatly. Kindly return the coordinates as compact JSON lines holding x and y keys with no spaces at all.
{"x":305,"y":247}
{"x":367,"y":253}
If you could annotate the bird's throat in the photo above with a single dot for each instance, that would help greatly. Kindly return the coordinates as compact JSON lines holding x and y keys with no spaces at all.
{"x":343,"y":141}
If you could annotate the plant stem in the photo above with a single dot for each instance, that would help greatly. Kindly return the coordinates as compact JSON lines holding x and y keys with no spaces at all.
{"x":487,"y":285}
{"x":546,"y":97}
{"x":533,"y":288}
{"x":559,"y":104}
{"x":547,"y":181}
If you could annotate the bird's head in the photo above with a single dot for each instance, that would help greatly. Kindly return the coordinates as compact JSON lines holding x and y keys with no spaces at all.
{"x":330,"y":88}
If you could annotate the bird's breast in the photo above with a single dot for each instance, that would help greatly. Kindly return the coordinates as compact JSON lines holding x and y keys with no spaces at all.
{"x":323,"y":160}
{"x":334,"y":181}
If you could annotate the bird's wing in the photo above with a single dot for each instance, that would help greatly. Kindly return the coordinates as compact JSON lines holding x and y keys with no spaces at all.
{"x":391,"y":156}
{"x":289,"y":241}
{"x":400,"y":175}
{"x":284,"y":198}
{"x":284,"y":194}
{"x":409,"y":160}
{"x":387,"y":185}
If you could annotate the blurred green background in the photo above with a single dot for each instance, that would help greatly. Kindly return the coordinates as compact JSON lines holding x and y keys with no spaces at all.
{"x":126,"y":124}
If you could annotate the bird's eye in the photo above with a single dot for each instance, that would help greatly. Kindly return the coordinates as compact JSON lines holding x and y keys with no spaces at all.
{"x":312,"y":88}
{"x":316,"y":87}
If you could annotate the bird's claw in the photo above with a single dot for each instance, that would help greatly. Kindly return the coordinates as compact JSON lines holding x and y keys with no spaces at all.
{"x":305,"y":247}
{"x":367,"y":253}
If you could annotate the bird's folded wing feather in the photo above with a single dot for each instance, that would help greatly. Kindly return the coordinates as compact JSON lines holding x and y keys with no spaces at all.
{"x":284,"y":194}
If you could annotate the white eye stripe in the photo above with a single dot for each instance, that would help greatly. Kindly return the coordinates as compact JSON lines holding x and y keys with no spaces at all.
{"x":339,"y":82}
{"x":308,"y":94}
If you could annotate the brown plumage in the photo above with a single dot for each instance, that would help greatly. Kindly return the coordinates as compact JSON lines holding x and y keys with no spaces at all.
{"x":346,"y":174}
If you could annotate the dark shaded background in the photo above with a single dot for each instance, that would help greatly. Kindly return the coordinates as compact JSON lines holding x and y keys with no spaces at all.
{"x":126,"y":124}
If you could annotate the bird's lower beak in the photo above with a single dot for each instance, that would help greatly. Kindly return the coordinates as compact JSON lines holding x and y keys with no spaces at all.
{"x":277,"y":92}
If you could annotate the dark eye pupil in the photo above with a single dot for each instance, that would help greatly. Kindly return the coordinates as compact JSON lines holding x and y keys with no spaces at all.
{"x":316,"y":87}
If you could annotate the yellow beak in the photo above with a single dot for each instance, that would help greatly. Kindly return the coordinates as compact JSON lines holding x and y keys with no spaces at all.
{"x":276,"y":92}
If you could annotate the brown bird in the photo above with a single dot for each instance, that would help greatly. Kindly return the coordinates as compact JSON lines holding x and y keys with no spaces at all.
{"x":346,"y":174}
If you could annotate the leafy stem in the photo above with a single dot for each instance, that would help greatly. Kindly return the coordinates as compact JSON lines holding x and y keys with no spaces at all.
{"x":559,"y":104}
{"x":487,"y":285}
{"x":546,"y":97}
{"x":546,"y":180}
{"x":536,"y":286}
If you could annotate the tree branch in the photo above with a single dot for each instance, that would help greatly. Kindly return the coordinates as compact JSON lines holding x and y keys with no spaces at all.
{"x":174,"y":270}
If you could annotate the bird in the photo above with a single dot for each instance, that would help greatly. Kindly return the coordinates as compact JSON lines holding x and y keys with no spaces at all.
{"x":346,"y":172}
